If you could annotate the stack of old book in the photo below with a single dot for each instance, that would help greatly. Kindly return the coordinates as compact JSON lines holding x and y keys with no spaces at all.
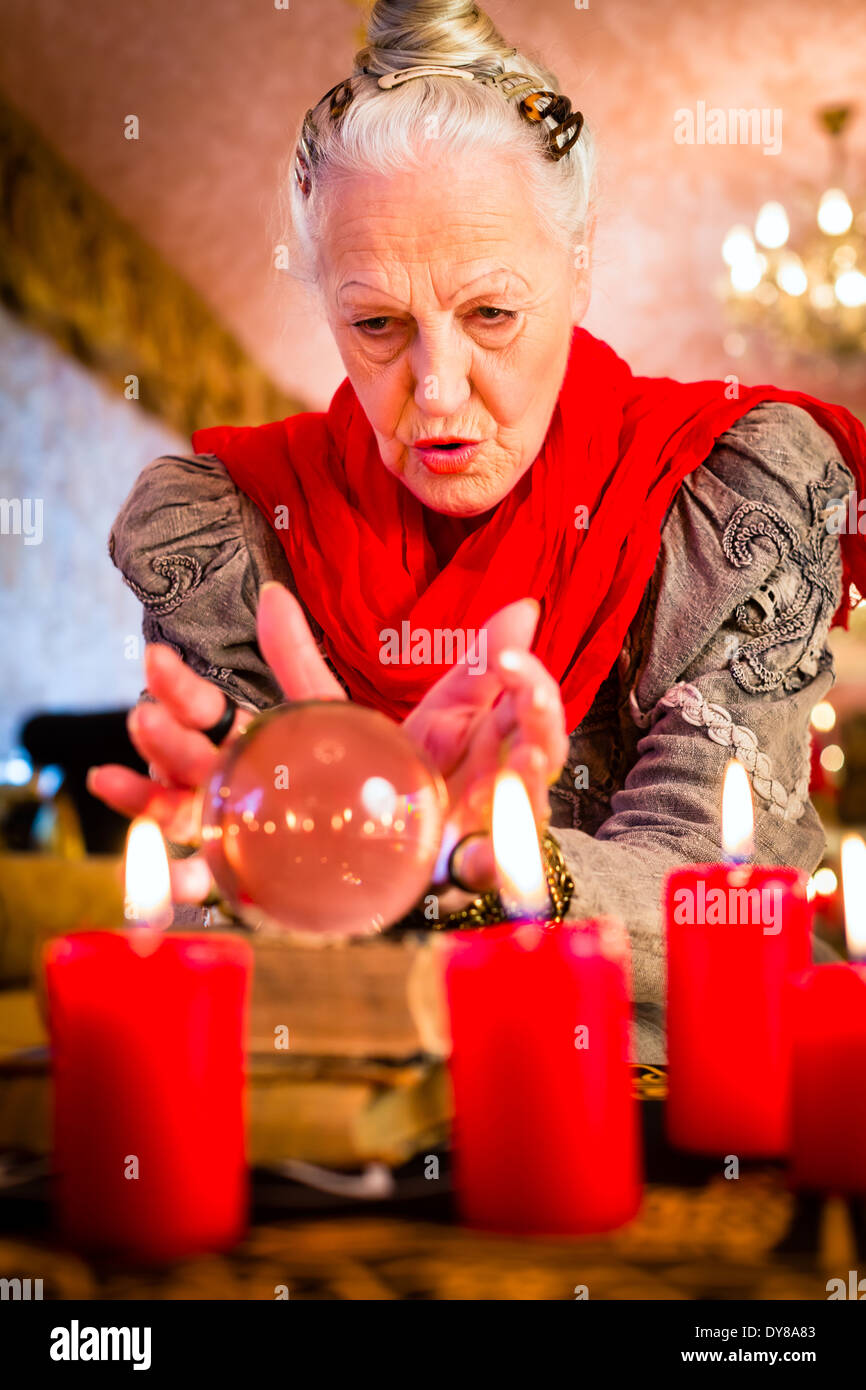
{"x":347,"y":1039}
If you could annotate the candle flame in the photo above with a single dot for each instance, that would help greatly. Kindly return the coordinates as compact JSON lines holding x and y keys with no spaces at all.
{"x":148,"y":886}
{"x":522,"y":882}
{"x":854,"y":894}
{"x":738,"y":815}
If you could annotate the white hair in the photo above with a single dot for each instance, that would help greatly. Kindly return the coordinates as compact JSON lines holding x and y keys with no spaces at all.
{"x":386,"y":131}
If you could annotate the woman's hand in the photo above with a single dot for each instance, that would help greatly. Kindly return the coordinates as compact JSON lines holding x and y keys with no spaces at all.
{"x":167,"y":731}
{"x":468,"y":725}
{"x":472,"y":724}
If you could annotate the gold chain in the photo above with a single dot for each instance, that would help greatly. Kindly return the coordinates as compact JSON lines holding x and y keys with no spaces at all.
{"x":487,"y":910}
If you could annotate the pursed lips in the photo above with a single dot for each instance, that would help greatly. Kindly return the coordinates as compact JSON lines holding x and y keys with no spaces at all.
{"x":446,"y":454}
{"x":446,"y":441}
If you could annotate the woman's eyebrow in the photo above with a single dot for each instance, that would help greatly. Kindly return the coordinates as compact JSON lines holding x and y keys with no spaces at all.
{"x":499,"y":271}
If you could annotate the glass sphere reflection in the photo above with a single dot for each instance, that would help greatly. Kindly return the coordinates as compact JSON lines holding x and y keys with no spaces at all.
{"x":322,"y":817}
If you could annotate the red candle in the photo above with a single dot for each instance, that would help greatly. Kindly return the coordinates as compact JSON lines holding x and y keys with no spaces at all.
{"x":545,"y":1121}
{"x":828,"y":1127}
{"x":546,"y":1136}
{"x":736,"y":932}
{"x":148,"y":1063}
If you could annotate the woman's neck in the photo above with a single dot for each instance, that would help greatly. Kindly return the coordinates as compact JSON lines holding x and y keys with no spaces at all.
{"x":447,"y":533}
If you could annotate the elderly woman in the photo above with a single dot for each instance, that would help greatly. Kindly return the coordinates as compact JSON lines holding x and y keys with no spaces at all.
{"x":639,"y":570}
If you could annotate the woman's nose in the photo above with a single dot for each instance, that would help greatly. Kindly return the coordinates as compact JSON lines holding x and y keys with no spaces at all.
{"x":442,"y":384}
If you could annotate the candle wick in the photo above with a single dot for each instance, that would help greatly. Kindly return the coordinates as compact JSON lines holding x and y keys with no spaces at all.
{"x":517,"y":911}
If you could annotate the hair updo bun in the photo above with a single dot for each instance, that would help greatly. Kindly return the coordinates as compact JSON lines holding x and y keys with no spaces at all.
{"x":402,"y":34}
{"x":362,"y":127}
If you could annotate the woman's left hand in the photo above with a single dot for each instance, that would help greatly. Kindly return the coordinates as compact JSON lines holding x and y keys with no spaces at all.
{"x":472,"y":724}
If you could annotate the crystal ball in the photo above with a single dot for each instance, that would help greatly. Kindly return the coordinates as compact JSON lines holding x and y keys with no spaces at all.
{"x":324,"y":818}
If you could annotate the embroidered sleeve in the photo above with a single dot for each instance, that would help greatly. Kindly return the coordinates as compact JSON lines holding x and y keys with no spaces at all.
{"x":748,"y":580}
{"x":195,"y":550}
{"x":189,"y":547}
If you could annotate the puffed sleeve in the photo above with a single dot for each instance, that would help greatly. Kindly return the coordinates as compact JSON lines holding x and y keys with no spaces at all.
{"x":735,"y":659}
{"x":195,"y":551}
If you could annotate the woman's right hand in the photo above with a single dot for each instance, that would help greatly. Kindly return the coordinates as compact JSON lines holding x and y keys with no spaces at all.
{"x":167,"y":731}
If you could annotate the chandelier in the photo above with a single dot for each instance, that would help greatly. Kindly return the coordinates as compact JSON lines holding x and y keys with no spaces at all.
{"x":805,"y":289}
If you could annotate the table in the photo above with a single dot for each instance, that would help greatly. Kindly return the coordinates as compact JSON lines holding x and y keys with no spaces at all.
{"x":698,"y":1236}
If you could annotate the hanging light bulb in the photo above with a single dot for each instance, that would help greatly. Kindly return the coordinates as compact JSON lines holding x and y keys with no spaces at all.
{"x":738,"y":245}
{"x":790,"y":276}
{"x":834,"y":212}
{"x":823,"y":716}
{"x":825,"y":882}
{"x":850,"y":289}
{"x":746,"y":274}
{"x":815,"y":300}
{"x":771,"y":226}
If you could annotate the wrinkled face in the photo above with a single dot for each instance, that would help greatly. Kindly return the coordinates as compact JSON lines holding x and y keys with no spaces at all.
{"x":453,"y":311}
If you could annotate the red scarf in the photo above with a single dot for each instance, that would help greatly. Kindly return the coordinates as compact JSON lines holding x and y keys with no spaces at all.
{"x":358,"y":545}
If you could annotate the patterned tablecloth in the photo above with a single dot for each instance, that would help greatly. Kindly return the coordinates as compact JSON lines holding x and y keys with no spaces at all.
{"x":698,"y":1235}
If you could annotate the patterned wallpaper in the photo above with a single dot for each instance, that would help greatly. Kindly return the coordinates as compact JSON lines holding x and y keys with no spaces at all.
{"x":70,"y":626}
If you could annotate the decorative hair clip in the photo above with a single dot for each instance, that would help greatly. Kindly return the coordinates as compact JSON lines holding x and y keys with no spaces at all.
{"x":536,"y":104}
{"x":393,"y":79}
{"x":339,"y":98}
{"x":305,"y":155}
{"x":533,"y":104}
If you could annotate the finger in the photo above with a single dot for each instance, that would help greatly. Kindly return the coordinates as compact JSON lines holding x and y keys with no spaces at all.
{"x":289,"y":647}
{"x":477,"y":680}
{"x":514,"y":624}
{"x":191,"y":879}
{"x":519,"y":724}
{"x":476,"y":865}
{"x":444,"y":741}
{"x":535,"y":701}
{"x":175,"y":811}
{"x":532,"y":767}
{"x":161,"y":777}
{"x":183,"y":755}
{"x":195,"y":702}
{"x":513,"y":721}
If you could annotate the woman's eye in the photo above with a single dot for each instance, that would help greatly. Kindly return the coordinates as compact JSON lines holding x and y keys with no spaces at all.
{"x":378,"y":326}
{"x":373,"y":326}
{"x":502,"y":315}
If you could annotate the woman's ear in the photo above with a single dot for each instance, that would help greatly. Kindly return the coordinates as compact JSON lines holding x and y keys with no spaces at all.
{"x":581,"y":283}
{"x":589,"y":231}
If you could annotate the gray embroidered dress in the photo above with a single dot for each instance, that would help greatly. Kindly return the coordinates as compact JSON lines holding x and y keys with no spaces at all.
{"x":726,"y":655}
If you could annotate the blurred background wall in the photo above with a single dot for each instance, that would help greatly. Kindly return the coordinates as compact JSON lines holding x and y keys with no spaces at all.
{"x":219,"y":87}
{"x":70,"y":630}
